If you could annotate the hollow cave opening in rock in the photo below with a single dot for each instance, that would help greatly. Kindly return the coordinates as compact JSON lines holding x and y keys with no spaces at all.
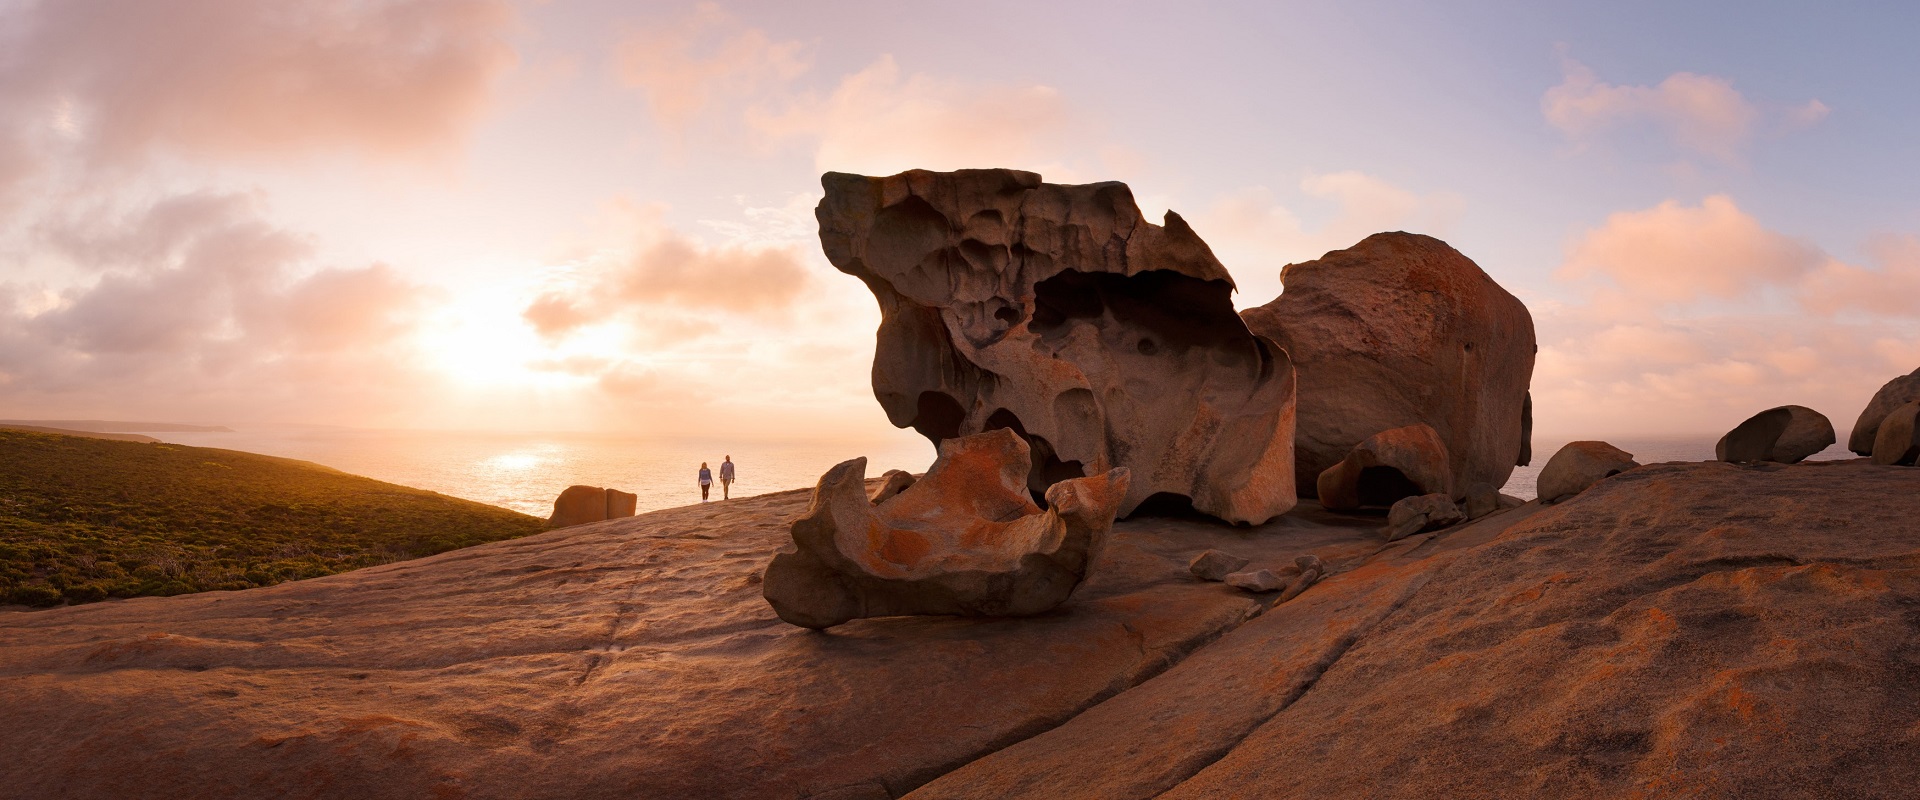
{"x":1048,"y":469}
{"x":1173,"y":310}
{"x":939,"y":416}
{"x":1168,"y":504}
{"x":1383,"y":486}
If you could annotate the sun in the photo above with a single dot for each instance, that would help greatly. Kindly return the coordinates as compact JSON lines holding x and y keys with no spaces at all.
{"x":479,"y":339}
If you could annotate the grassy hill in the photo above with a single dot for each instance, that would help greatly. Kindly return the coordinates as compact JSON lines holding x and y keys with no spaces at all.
{"x":87,"y":519}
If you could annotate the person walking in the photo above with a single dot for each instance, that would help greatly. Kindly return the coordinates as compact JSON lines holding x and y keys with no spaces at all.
{"x":706,"y":481}
{"x":726,"y":476}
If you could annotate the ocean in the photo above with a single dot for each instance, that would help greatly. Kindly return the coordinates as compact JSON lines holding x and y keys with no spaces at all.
{"x":526,"y":471}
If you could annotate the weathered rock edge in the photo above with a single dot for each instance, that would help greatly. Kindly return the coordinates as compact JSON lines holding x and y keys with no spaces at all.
{"x":1058,"y":311}
{"x":964,"y":540}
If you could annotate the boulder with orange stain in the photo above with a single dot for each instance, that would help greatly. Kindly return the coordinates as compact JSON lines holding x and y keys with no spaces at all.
{"x":967,"y":539}
{"x":1401,"y":329}
{"x":1060,"y":312}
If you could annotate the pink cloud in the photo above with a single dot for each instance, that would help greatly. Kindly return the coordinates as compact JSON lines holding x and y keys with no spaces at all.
{"x":670,"y":281}
{"x":879,"y":121}
{"x":1703,"y":114}
{"x":202,"y":306}
{"x":1673,"y":254}
{"x":236,"y":77}
{"x":685,"y":65}
{"x":1893,"y":289}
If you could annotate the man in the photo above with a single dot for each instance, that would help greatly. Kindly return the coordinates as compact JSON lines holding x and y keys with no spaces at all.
{"x":726,"y":476}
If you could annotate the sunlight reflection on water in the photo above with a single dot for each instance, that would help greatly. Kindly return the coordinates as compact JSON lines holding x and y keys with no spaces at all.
{"x":525,"y":472}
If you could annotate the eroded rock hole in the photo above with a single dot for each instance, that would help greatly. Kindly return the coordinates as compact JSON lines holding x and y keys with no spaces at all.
{"x":1173,"y":310}
{"x":939,"y":416}
{"x":1166,"y":504}
{"x":1007,"y":314}
{"x":1047,"y":469}
{"x":1383,"y":486}
{"x":1147,"y":347}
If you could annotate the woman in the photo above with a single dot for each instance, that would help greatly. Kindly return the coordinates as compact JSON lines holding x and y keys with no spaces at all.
{"x":706,"y":481}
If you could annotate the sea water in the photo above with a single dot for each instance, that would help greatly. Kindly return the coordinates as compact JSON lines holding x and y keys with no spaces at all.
{"x":526,"y":471}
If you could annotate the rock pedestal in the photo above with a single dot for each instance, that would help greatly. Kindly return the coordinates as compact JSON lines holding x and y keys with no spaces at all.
{"x":965,"y":539}
{"x":1398,"y":330}
{"x":1580,"y":465}
{"x":1787,"y":434}
{"x":1058,"y":312}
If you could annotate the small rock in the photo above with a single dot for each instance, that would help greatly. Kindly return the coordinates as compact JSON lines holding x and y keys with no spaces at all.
{"x":1482,"y":499}
{"x":1257,"y":581}
{"x":1214,"y":565}
{"x":1311,"y":570}
{"x":1580,"y":465}
{"x":1412,"y":515}
{"x":1898,"y":439}
{"x":893,"y":482}
{"x":578,"y":505}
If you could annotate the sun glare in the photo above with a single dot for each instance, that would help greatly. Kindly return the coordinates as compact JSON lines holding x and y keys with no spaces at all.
{"x":480,"y":340}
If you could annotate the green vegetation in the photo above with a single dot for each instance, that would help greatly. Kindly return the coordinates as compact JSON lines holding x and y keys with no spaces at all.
{"x":87,"y":519}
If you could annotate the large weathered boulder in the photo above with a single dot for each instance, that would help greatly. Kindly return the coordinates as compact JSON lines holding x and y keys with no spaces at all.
{"x":579,"y":505}
{"x":1397,"y":330}
{"x":1580,"y":465}
{"x":1899,"y":391}
{"x":1787,"y":434}
{"x":1389,"y":465}
{"x":1057,"y":311}
{"x":966,"y":539}
{"x":1898,"y":438}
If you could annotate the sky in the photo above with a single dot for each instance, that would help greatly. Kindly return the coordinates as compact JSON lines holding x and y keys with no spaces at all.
{"x":597,"y":216}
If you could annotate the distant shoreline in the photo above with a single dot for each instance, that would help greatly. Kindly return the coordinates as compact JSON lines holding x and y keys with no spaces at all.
{"x":110,"y":426}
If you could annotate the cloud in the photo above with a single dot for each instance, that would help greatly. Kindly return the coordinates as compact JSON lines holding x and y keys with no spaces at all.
{"x":200,"y":303}
{"x":1891,"y":289}
{"x":671,"y":280}
{"x":1673,"y":253}
{"x":1702,"y":114}
{"x":1254,"y":233}
{"x":1645,"y":357}
{"x":686,"y":65}
{"x":879,"y":121}
{"x":220,"y":78}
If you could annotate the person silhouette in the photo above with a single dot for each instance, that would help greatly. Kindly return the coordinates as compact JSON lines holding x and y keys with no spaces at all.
{"x":726,"y":476}
{"x":706,"y":481}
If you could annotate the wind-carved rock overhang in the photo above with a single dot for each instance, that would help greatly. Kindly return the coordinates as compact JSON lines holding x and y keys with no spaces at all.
{"x":1059,"y":312}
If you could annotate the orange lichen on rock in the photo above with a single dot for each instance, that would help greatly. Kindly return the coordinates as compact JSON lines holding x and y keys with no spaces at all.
{"x":966,"y":539}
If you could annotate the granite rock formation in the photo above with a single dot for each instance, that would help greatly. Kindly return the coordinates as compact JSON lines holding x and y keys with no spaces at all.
{"x":1259,"y":580}
{"x":1057,"y":311}
{"x":1699,"y":630}
{"x":1897,"y":392}
{"x":1787,"y":435}
{"x":1214,"y":565}
{"x":578,"y":505}
{"x":892,"y":482}
{"x":966,"y":539}
{"x":1897,"y":441}
{"x":1398,"y":330}
{"x":1425,"y":512}
{"x":1578,"y":466}
{"x":1387,"y":466}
